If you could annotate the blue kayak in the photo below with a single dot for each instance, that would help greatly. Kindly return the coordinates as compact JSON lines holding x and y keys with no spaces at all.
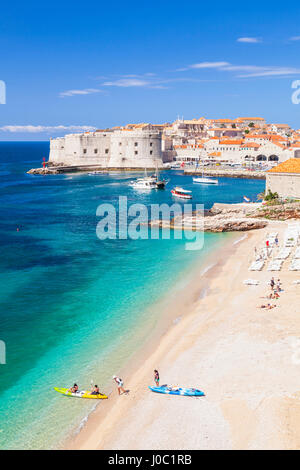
{"x":169,"y":390}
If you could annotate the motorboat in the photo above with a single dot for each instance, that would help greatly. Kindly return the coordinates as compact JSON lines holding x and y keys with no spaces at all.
{"x":144,"y":183}
{"x":149,"y":182}
{"x":182,"y":193}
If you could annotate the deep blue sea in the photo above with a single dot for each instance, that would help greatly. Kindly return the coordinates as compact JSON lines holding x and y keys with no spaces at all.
{"x":73,"y":307}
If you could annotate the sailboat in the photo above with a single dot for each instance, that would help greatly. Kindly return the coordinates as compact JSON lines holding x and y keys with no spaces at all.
{"x":204,"y":180}
{"x":160,"y":184}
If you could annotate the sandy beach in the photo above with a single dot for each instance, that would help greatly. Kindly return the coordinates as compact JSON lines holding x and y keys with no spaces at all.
{"x":245,"y":359}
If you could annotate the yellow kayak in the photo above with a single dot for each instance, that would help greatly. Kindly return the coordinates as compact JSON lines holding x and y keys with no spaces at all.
{"x":80,"y":394}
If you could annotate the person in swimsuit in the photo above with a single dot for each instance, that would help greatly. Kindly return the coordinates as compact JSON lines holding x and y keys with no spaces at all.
{"x":95,"y":390}
{"x":73,"y":389}
{"x":156,"y":377}
{"x":119,"y":383}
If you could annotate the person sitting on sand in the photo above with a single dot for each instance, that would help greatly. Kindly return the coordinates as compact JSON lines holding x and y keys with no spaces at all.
{"x":95,"y":390}
{"x":119,"y":383}
{"x":268,"y":306}
{"x":73,"y":389}
{"x":156,"y":377}
{"x":273,"y":295}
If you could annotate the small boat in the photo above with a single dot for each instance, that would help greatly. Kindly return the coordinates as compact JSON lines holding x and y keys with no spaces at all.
{"x":92,"y":173}
{"x":161,"y":184}
{"x":171,"y":390}
{"x":144,"y":183}
{"x":203,"y":180}
{"x":149,"y":182}
{"x":80,"y":394}
{"x":180,"y":192}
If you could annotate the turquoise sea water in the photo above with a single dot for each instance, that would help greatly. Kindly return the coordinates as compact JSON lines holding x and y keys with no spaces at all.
{"x":72,"y":307}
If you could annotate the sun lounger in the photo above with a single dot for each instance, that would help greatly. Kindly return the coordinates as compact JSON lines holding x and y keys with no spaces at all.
{"x":284,"y":253}
{"x":251,"y":282}
{"x":295,"y":265}
{"x":275,"y":265}
{"x":257,"y":265}
{"x":297,"y":281}
{"x":297,"y":253}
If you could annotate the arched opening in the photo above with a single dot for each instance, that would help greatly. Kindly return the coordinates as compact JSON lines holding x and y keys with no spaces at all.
{"x":261,"y":158}
{"x":273,"y":158}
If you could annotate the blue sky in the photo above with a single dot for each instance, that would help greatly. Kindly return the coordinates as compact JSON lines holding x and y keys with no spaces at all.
{"x":70,"y":65}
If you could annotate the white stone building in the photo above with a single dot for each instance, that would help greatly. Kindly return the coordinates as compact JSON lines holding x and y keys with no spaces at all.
{"x":284,"y":179}
{"x":125,"y":148}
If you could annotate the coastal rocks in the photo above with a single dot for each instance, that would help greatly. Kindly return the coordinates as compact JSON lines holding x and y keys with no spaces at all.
{"x":43,"y":171}
{"x":280,"y":211}
{"x":231,"y":225}
{"x":220,"y":218}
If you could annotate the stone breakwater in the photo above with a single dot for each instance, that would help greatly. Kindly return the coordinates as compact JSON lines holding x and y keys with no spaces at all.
{"x":226,"y":173}
{"x":220,"y":218}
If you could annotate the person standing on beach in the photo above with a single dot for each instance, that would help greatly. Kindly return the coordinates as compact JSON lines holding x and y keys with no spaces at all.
{"x":276,"y":241}
{"x":278,"y":285}
{"x":119,"y":383}
{"x":272,"y":283}
{"x":156,"y":377}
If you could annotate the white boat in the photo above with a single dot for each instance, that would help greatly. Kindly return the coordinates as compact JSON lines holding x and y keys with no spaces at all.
{"x":203,"y":180}
{"x":149,"y":182}
{"x":182,"y":193}
{"x":144,"y":183}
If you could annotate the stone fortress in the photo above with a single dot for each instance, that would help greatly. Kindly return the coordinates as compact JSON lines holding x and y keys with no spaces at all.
{"x":138,"y":146}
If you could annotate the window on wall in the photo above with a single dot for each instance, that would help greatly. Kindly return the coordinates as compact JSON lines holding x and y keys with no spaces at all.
{"x":151,"y":152}
{"x":136,"y":152}
{"x":84,"y":151}
{"x":150,"y":144}
{"x":95,"y":150}
{"x":135,"y":144}
{"x":106,"y":150}
{"x":120,"y":143}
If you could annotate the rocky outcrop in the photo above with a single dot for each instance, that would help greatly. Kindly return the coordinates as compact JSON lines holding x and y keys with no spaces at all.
{"x":44,"y":171}
{"x":280,"y":212}
{"x":220,"y":218}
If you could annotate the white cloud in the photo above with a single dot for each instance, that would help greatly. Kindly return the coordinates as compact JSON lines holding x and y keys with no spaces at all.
{"x":128,"y":82}
{"x":295,"y":38}
{"x":246,"y":71}
{"x":249,"y":40}
{"x":86,"y":91}
{"x":209,"y":65}
{"x":261,"y":71}
{"x":36,"y":129}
